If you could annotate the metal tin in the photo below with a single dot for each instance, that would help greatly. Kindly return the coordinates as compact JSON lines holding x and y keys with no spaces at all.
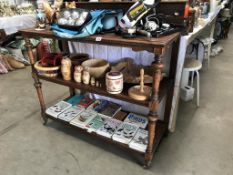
{"x":114,"y":82}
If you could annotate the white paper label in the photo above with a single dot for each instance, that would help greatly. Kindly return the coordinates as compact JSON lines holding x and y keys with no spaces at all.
{"x":98,"y":38}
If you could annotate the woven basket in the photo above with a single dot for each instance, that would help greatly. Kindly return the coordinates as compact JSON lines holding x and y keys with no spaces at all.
{"x":47,"y":71}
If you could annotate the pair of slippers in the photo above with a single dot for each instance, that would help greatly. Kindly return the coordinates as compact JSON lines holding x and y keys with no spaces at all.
{"x":8,"y":63}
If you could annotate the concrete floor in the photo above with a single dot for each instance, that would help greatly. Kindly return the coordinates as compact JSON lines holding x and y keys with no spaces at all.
{"x":201,"y":145}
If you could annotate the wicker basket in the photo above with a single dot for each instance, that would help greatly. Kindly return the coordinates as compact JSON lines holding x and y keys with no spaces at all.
{"x":47,"y":71}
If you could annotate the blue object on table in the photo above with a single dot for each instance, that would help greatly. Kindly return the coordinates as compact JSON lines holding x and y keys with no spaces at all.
{"x":95,"y":25}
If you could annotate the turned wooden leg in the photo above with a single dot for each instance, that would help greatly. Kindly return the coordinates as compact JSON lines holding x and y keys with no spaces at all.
{"x":151,"y":136}
{"x":37,"y":85}
{"x":37,"y":82}
{"x":153,"y":116}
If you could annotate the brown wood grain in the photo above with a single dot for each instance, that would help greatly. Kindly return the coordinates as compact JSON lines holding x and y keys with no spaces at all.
{"x":96,"y":136}
{"x":165,"y":85}
{"x":110,"y":39}
{"x":161,"y":89}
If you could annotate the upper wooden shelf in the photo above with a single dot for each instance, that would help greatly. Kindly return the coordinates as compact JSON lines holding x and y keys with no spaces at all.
{"x":109,"y":39}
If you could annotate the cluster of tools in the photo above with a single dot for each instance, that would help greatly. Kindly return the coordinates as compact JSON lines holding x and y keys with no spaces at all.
{"x":140,"y":20}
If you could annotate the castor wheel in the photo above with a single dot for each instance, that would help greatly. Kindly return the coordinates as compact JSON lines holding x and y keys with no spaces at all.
{"x":147,"y":165}
{"x":45,"y":120}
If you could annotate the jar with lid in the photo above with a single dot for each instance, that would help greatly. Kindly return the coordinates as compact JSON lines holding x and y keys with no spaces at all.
{"x":114,"y":82}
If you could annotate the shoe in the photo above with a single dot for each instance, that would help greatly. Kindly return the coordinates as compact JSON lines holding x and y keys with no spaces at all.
{"x":5,"y":62}
{"x":3,"y":69}
{"x":14,"y":63}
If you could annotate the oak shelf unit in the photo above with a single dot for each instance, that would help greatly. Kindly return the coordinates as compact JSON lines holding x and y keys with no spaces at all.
{"x":161,"y":89}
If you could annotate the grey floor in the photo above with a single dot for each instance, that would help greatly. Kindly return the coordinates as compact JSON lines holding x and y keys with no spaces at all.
{"x":201,"y":145}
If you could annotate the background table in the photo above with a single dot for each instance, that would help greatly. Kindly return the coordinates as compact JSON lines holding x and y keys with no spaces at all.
{"x":12,"y":24}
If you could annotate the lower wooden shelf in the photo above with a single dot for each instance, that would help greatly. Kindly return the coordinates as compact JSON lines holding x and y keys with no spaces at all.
{"x":96,"y":136}
{"x":165,"y":86}
{"x":159,"y":133}
{"x":161,"y":127}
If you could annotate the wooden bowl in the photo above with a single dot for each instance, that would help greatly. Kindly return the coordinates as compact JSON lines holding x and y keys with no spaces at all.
{"x":131,"y":71}
{"x":47,"y":71}
{"x":97,"y":67}
{"x":78,"y":58}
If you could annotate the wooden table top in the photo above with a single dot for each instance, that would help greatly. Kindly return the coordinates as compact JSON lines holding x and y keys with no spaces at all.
{"x":109,"y":39}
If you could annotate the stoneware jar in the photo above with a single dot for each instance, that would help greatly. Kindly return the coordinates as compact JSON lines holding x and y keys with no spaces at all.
{"x":66,"y":68}
{"x":86,"y":76}
{"x":78,"y":74}
{"x":92,"y":81}
{"x":114,"y":82}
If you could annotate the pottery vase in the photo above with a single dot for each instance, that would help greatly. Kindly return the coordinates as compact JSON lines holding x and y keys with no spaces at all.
{"x":66,"y":68}
{"x":86,"y":76}
{"x":78,"y":74}
{"x":92,"y":81}
{"x":41,"y":20}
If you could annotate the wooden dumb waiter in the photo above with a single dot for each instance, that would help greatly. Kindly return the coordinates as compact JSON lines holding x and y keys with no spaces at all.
{"x":161,"y":89}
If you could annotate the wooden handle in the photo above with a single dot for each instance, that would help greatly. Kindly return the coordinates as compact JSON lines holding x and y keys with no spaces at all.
{"x":142,"y":80}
